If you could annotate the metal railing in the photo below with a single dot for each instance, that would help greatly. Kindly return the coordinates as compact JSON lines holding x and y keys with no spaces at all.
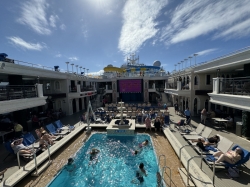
{"x":235,"y":86}
{"x":12,"y":92}
{"x":87,"y":88}
{"x":72,"y":89}
{"x":218,"y":58}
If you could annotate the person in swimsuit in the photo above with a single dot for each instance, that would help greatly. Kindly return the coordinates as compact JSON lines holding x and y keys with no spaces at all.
{"x":143,"y":144}
{"x":93,"y":155}
{"x":139,"y":174}
{"x":208,"y":141}
{"x":231,"y":156}
{"x":70,"y":166}
{"x":17,"y":145}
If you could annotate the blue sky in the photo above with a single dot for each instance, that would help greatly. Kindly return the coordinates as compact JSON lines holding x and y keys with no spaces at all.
{"x":95,"y":33}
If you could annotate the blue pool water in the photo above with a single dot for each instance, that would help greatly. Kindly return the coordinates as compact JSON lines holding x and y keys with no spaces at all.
{"x":116,"y":164}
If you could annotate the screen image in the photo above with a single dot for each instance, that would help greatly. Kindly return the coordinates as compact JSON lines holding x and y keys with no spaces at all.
{"x":130,"y":86}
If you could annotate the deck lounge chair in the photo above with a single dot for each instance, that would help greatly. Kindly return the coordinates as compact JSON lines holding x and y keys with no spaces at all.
{"x":166,"y":119}
{"x":205,"y":134}
{"x":197,"y":131}
{"x":29,"y":140}
{"x":244,"y":158}
{"x":53,"y":130}
{"x":59,"y":125}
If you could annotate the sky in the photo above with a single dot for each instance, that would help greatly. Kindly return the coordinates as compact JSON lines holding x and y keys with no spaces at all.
{"x":95,"y":33}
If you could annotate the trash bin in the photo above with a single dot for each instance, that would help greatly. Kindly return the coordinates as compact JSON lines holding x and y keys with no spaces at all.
{"x":238,"y":128}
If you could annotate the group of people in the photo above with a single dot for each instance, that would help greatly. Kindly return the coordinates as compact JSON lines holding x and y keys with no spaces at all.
{"x":158,"y":123}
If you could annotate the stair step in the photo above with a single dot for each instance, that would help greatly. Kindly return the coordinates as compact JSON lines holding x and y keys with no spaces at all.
{"x":183,"y":174}
{"x":41,"y":169}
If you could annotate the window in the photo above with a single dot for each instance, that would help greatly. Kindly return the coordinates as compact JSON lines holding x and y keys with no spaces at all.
{"x":208,"y":80}
{"x":48,"y":86}
{"x":57,"y":85}
{"x":195,"y":80}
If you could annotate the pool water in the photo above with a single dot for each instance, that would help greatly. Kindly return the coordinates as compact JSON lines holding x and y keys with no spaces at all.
{"x":116,"y":165}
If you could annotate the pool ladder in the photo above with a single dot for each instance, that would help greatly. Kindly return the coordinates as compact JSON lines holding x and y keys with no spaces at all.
{"x":163,"y":170}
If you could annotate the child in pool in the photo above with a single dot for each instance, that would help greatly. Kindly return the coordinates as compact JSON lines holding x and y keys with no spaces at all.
{"x":143,"y":144}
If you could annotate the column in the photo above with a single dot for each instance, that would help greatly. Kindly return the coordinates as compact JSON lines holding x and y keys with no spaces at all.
{"x":77,"y":104}
{"x":39,"y":90}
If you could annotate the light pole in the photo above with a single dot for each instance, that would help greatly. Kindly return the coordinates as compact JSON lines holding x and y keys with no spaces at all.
{"x":72,"y":67}
{"x":37,"y":79}
{"x":182,"y":64}
{"x":67,"y":66}
{"x":179,"y":66}
{"x":175,"y":67}
{"x":77,"y":69}
{"x":195,"y":57}
{"x":185,"y":62}
{"x":87,"y":71}
{"x":84,"y":71}
{"x":190,"y":60}
{"x":80,"y":69}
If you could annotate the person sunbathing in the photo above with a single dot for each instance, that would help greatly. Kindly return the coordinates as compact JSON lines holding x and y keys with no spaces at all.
{"x":17,"y":145}
{"x":208,"y":141}
{"x":231,"y":156}
{"x":46,"y":138}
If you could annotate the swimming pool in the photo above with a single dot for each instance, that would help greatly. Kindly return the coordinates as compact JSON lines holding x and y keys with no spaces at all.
{"x":116,"y":165}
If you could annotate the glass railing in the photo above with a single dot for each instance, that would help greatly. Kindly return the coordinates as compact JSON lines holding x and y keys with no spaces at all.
{"x":235,"y":86}
{"x":17,"y":92}
{"x":87,"y":88}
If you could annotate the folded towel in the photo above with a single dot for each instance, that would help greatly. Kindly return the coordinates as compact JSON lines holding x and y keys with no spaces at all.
{"x":210,"y":158}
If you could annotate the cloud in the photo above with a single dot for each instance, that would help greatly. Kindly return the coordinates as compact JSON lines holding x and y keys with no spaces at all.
{"x":139,"y":23}
{"x":58,"y":55}
{"x":33,"y":14}
{"x":205,"y":52}
{"x":62,"y":26}
{"x":96,"y":73}
{"x":19,"y":42}
{"x":53,"y":19}
{"x":73,"y":58}
{"x":196,"y":18}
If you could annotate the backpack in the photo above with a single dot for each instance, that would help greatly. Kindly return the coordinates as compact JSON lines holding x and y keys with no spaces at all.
{"x":233,"y":172}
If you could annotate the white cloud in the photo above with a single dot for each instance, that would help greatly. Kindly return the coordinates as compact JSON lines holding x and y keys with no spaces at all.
{"x":205,"y":52}
{"x":139,"y":23}
{"x":96,"y":73}
{"x":19,"y":42}
{"x":73,"y":58}
{"x":196,"y":18}
{"x":62,"y":26}
{"x":53,"y":19}
{"x":34,"y":15}
{"x":58,"y":55}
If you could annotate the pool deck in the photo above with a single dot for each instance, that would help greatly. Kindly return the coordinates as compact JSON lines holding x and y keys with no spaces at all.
{"x":14,"y":175}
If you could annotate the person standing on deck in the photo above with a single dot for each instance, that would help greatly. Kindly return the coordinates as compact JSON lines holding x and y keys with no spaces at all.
{"x":187,"y":113}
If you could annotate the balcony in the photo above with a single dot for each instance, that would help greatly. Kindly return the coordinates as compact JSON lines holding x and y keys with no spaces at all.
{"x":15,"y":98}
{"x":234,"y":93}
{"x":235,"y":86}
{"x":78,"y":91}
{"x":178,"y":89}
{"x":17,"y":92}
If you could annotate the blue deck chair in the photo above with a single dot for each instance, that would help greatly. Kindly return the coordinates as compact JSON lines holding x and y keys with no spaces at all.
{"x":244,"y":157}
{"x":8,"y":147}
{"x":28,"y":139}
{"x":59,"y":125}
{"x":166,"y":119}
{"x":53,"y":130}
{"x":139,"y":119}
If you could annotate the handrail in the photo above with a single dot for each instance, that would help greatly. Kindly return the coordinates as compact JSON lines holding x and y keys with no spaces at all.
{"x":170,"y":173}
{"x":197,"y":156}
{"x":180,"y":152}
{"x":163,"y":169}
{"x":18,"y":159}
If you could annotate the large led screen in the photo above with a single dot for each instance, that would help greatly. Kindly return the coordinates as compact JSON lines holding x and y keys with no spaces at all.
{"x":130,"y":86}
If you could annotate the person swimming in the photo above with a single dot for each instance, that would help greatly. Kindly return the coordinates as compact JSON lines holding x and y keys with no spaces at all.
{"x":93,"y":155}
{"x":70,"y":166}
{"x":143,"y":144}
